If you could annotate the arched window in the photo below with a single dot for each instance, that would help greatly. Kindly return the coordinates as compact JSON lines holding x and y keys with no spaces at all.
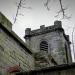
{"x":44,"y":46}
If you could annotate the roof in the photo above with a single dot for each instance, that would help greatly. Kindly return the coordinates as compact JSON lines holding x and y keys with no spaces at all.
{"x":16,"y":38}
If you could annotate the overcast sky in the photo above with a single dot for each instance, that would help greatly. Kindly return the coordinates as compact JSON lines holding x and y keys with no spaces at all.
{"x":38,"y":15}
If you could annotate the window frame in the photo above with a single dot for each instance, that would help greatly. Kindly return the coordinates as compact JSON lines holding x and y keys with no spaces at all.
{"x":44,"y":46}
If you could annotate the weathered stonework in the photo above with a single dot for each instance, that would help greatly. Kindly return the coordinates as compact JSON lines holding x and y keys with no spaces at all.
{"x":47,"y":47}
{"x":58,"y":42}
{"x":5,"y":22}
{"x":13,"y":54}
{"x":65,"y":69}
{"x":13,"y":51}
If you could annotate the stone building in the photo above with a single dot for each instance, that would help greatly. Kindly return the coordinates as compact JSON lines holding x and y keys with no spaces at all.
{"x":50,"y":44}
{"x":14,"y":54}
{"x":47,"y":48}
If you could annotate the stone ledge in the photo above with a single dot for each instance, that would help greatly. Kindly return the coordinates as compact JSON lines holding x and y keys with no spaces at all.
{"x":50,"y":70}
{"x":5,"y":22}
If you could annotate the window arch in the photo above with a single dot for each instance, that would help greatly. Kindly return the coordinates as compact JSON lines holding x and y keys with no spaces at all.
{"x":44,"y":46}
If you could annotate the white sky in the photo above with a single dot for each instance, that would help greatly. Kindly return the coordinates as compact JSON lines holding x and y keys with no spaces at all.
{"x":38,"y":15}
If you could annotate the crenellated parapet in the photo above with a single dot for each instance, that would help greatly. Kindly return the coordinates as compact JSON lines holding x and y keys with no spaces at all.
{"x":57,"y":26}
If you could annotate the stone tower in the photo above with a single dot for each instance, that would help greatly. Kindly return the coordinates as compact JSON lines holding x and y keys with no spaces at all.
{"x":50,"y":45}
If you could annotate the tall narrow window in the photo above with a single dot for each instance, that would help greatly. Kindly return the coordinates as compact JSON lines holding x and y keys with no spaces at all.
{"x":44,"y":46}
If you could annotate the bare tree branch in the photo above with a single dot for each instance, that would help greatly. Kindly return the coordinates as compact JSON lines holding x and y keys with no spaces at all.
{"x":63,"y":12}
{"x":46,"y":4}
{"x":19,"y":5}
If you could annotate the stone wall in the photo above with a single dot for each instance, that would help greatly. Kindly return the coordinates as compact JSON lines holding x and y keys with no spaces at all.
{"x":12,"y":53}
{"x":5,"y":22}
{"x":65,"y":69}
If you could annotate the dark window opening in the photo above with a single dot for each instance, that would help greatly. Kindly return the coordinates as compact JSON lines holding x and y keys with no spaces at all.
{"x":44,"y":46}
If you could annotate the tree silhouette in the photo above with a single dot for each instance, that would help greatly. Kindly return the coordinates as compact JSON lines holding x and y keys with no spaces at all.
{"x":20,"y":5}
{"x":61,"y":11}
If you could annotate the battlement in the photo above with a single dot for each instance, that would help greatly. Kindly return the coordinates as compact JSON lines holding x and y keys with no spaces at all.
{"x":5,"y":22}
{"x":43,"y":29}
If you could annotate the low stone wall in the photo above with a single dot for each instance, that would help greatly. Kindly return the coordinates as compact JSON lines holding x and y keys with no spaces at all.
{"x":13,"y":52}
{"x":65,"y":69}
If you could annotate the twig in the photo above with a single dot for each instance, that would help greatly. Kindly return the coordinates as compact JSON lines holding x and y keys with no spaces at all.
{"x":19,"y":5}
{"x":46,"y":4}
{"x":63,"y":12}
